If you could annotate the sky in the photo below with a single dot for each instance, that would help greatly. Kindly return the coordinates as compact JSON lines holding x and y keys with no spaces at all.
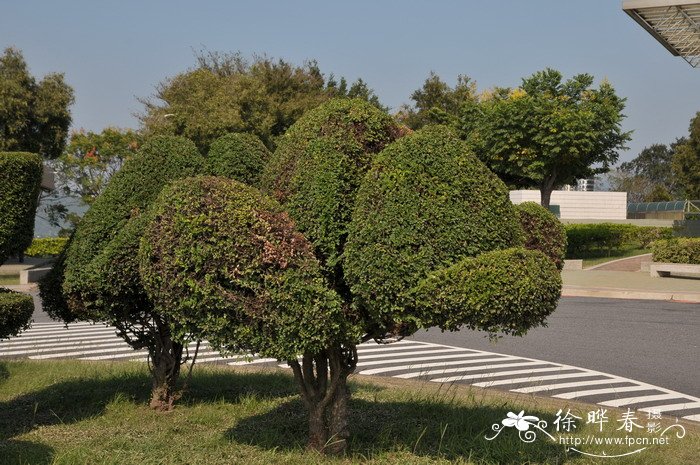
{"x":112,"y":53}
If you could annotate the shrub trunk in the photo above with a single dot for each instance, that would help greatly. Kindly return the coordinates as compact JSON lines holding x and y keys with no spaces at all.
{"x":166,"y":358}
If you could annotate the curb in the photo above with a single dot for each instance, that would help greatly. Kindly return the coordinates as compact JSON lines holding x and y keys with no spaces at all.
{"x":633,"y":294}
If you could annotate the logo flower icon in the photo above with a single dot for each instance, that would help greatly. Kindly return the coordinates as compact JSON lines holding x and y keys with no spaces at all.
{"x":520,"y":421}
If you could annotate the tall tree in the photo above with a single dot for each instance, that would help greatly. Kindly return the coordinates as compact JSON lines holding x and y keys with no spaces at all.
{"x":34,"y":117}
{"x":686,"y":162}
{"x":548,"y":132}
{"x":226,"y":93}
{"x":436,"y":102}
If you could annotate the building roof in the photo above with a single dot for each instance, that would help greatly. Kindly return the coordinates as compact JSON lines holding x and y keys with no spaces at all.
{"x":674,"y":23}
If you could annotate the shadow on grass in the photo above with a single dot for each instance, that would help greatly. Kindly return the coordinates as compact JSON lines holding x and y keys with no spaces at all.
{"x":436,"y":428}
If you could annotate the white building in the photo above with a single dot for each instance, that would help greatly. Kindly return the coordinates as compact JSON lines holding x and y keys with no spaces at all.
{"x":580,"y":205}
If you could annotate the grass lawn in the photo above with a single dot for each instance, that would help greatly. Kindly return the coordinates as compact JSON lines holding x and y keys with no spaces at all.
{"x":596,"y":257}
{"x":69,"y":412}
{"x":9,"y":279}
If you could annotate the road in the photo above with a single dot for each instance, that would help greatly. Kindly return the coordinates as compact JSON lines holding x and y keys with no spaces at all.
{"x":650,"y":341}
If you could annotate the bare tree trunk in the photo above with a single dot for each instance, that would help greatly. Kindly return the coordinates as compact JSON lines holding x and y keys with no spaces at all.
{"x":546,"y":190}
{"x":166,"y":357}
{"x":322,"y":380}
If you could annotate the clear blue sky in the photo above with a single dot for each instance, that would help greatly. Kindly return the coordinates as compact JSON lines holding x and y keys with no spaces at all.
{"x":113,"y":52}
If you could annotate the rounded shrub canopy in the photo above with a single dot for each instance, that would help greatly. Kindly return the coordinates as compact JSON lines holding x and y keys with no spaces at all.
{"x":20,"y":182}
{"x":426,"y":203}
{"x":543,"y":231}
{"x":317,"y":168}
{"x":225,"y":261}
{"x":16,"y":311}
{"x":504,"y":291}
{"x":238,"y":156}
{"x":112,"y":218}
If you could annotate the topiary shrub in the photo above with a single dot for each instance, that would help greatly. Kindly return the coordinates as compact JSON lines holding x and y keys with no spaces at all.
{"x":504,"y":291}
{"x":543,"y":231}
{"x":20,"y":184}
{"x":16,"y":311}
{"x":677,"y":250}
{"x":239,"y":156}
{"x":317,"y":168}
{"x":98,"y":272}
{"x":426,"y":203}
{"x":46,"y":246}
{"x":219,"y":248}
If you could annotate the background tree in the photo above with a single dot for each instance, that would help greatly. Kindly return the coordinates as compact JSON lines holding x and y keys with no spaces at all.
{"x":436,"y":102}
{"x":20,"y":183}
{"x":548,"y":132}
{"x":686,"y":162}
{"x":84,"y":169}
{"x":34,"y":117}
{"x":226,"y":93}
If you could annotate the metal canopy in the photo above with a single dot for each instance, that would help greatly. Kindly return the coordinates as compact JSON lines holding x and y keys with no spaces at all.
{"x":674,"y":23}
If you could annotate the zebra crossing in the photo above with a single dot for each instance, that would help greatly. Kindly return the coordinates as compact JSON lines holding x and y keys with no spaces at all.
{"x":407,"y":359}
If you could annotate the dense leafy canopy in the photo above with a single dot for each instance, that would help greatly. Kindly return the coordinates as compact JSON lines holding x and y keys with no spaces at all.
{"x":543,"y":231}
{"x":686,"y":162}
{"x":20,"y":183}
{"x":34,"y":117}
{"x":226,"y":262}
{"x":317,"y":168}
{"x":548,"y":132}
{"x":238,"y":156}
{"x":426,"y":203}
{"x":226,"y":93}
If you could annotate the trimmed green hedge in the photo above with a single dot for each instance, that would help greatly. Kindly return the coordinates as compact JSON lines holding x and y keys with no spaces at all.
{"x":543,"y":231}
{"x":20,"y":183}
{"x":46,"y":246}
{"x":507,"y":291}
{"x":16,"y":311}
{"x":583,"y":238}
{"x":677,"y":250}
{"x":238,"y":156}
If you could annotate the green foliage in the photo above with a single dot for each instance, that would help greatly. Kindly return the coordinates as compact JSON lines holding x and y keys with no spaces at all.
{"x":503,"y":291}
{"x":16,"y":311}
{"x":548,"y":132}
{"x":46,"y":246}
{"x":543,"y":231}
{"x":129,"y":193}
{"x":317,"y":168}
{"x":677,"y":250}
{"x":686,"y":162}
{"x":238,"y":156}
{"x":426,"y":203}
{"x":584,"y":238}
{"x":226,"y":262}
{"x":34,"y":117}
{"x":20,"y":184}
{"x":438,"y":103}
{"x":226,"y":93}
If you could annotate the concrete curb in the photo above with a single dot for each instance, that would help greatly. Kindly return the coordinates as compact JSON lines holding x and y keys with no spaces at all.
{"x":617,"y":293}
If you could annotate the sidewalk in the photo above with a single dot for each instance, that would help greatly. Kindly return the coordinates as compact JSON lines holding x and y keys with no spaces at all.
{"x":629,"y":285}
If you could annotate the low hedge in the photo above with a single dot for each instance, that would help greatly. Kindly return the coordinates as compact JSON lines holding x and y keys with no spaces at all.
{"x":46,"y":246}
{"x":583,"y":238}
{"x":677,"y":250}
{"x":16,"y":311}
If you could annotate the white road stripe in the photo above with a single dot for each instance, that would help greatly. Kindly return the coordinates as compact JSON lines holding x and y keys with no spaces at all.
{"x":260,"y":360}
{"x":693,"y":417}
{"x":408,"y":360}
{"x":472,"y":368}
{"x":61,"y":330}
{"x":533,"y":379}
{"x":422,"y":366}
{"x":391,"y":349}
{"x":450,"y":379}
{"x":82,"y":352}
{"x":44,"y":350}
{"x":57,"y":342}
{"x":638,"y":400}
{"x":66,"y":333}
{"x":596,"y":392}
{"x":116,"y":356}
{"x":575,"y":384}
{"x":411,"y":353}
{"x":671,"y":408}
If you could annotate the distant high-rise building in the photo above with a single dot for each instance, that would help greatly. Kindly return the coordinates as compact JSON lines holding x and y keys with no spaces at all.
{"x":587,"y":185}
